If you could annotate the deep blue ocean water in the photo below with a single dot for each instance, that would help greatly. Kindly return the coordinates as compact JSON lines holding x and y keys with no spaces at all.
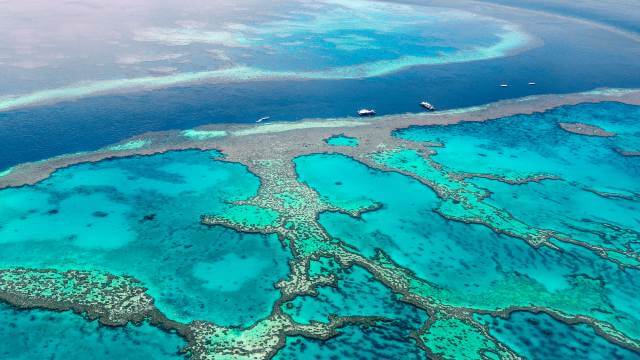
{"x":36,"y":334}
{"x":540,"y":337}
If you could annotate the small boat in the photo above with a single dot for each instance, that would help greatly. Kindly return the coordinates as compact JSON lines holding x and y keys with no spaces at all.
{"x":428,"y":106}
{"x":263,"y":119}
{"x":366,"y":112}
{"x":504,"y":85}
{"x":531,"y":83}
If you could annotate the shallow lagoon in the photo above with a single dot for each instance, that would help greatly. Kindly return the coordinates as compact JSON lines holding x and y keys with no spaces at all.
{"x":356,"y":293}
{"x":464,"y":259}
{"x":140,"y":216}
{"x":36,"y":334}
{"x":386,"y":341}
{"x":595,"y":197}
{"x":528,"y":144}
{"x":539,"y":336}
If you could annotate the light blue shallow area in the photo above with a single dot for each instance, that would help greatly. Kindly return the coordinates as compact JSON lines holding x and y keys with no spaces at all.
{"x":357,"y":293}
{"x":140,"y":216}
{"x":597,"y":198}
{"x":525,"y":144}
{"x":40,"y":334}
{"x":387,"y":341}
{"x":562,"y":206}
{"x":621,"y":119}
{"x":406,"y":228}
{"x":469,"y":259}
{"x":540,"y":337}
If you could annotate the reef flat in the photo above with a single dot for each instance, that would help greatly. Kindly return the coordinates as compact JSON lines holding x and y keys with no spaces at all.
{"x":586,"y":129}
{"x":429,"y":233}
{"x":303,"y":134}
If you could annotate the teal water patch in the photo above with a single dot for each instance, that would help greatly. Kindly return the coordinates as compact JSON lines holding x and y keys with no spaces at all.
{"x":526,"y":144}
{"x":618,"y":118}
{"x":471,"y":262}
{"x":386,"y":341}
{"x":565,"y":207}
{"x":76,"y":218}
{"x":350,"y":33}
{"x":36,"y":334}
{"x":141,"y":216}
{"x":357,"y":293}
{"x":342,"y":140}
{"x":216,"y":275}
{"x":540,"y":337}
{"x":352,"y":38}
{"x":408,"y":230}
{"x":597,"y":197}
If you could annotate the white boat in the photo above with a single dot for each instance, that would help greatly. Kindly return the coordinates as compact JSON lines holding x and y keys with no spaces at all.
{"x":263,"y":119}
{"x":504,"y":85}
{"x":366,"y":112}
{"x":532,"y":83}
{"x":428,"y":106}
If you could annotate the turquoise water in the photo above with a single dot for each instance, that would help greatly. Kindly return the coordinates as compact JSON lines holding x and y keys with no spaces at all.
{"x":40,"y":334}
{"x":471,"y":261}
{"x":534,"y":144}
{"x":406,"y":227}
{"x":540,"y":337}
{"x":140,"y":216}
{"x":387,"y":341}
{"x":357,"y":293}
{"x":525,"y":144}
{"x":559,"y":205}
